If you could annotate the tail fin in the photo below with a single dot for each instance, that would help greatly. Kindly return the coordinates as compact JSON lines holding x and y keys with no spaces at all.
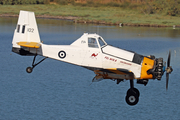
{"x":26,"y":34}
{"x":26,"y":30}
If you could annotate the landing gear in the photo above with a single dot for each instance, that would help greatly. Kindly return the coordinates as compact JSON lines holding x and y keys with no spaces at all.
{"x":30,"y":69}
{"x":133,"y":90}
{"x":132,"y":96}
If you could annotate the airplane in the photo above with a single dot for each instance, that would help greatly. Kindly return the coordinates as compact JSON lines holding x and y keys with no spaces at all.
{"x":91,"y":52}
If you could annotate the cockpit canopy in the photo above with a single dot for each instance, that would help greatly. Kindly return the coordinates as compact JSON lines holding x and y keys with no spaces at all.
{"x":90,"y":40}
{"x":95,"y":42}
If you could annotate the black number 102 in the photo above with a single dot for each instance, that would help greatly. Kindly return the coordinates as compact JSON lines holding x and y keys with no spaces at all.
{"x":30,"y":30}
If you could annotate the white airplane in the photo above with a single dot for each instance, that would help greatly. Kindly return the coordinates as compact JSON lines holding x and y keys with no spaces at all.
{"x":92,"y":52}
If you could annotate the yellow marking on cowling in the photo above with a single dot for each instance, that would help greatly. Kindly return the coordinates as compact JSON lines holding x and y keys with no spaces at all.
{"x":29,"y":44}
{"x":146,"y":65}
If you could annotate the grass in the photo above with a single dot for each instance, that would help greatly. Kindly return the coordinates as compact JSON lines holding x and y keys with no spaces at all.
{"x":100,"y":13}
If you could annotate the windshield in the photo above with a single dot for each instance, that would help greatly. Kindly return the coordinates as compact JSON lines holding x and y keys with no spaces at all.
{"x":101,"y":42}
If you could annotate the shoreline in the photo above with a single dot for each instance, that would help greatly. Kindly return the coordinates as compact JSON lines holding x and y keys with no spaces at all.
{"x":76,"y":20}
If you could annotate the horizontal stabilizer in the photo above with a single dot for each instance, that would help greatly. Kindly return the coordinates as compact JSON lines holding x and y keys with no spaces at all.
{"x":29,"y":44}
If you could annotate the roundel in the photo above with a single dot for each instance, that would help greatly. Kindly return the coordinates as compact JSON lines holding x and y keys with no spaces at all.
{"x":62,"y":54}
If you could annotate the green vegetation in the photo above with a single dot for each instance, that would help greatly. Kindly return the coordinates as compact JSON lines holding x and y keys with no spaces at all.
{"x":128,"y":12}
{"x":22,"y":2}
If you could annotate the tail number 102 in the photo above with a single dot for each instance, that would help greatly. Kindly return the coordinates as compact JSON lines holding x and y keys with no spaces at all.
{"x":30,"y":30}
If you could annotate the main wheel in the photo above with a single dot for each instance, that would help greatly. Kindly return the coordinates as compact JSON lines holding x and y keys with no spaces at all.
{"x":132,"y":99}
{"x":133,"y":90}
{"x":29,"y":69}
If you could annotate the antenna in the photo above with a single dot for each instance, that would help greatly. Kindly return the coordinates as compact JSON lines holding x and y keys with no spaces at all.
{"x":97,"y":29}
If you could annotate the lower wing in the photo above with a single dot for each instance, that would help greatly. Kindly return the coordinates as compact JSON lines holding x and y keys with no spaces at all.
{"x":113,"y":73}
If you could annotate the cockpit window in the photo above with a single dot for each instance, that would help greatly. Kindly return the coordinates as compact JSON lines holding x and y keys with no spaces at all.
{"x":101,"y":42}
{"x":92,"y":43}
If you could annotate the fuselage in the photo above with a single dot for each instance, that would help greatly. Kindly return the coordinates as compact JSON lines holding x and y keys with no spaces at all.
{"x":91,"y":51}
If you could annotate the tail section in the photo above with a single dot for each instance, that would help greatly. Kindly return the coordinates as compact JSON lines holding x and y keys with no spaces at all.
{"x":26,"y":33}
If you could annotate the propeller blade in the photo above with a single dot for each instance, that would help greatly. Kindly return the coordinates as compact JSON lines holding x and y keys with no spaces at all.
{"x":167,"y":80}
{"x":168,"y":69}
{"x":169,"y":59}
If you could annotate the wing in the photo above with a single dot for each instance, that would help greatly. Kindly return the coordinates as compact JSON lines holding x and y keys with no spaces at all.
{"x":29,"y":44}
{"x":113,"y":73}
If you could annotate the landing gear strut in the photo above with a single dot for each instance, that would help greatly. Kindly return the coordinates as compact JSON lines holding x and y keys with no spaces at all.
{"x":30,"y":69}
{"x":132,"y":96}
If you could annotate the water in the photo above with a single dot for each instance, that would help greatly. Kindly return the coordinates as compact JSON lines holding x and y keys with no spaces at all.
{"x":61,"y":91}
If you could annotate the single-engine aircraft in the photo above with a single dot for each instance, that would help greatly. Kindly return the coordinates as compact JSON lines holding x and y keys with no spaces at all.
{"x":92,"y":52}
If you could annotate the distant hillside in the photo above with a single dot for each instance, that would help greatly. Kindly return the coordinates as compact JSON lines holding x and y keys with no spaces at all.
{"x":164,"y":7}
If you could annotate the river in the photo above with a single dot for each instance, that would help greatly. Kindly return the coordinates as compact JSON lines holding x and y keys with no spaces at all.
{"x":61,"y":91}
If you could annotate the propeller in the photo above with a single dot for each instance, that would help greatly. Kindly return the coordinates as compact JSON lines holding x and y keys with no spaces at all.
{"x":168,"y":69}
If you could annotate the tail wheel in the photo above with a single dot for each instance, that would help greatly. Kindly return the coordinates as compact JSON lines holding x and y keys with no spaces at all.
{"x":29,"y":69}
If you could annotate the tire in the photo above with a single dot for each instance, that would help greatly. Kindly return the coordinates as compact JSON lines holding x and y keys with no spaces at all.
{"x":29,"y":70}
{"x":132,"y":99}
{"x":133,"y":91}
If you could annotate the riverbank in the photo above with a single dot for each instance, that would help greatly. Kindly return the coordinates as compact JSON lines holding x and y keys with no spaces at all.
{"x":94,"y":15}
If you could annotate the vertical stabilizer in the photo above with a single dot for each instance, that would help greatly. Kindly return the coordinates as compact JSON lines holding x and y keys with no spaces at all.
{"x":26,"y":29}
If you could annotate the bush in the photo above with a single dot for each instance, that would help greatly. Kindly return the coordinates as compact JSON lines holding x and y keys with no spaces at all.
{"x":171,"y":8}
{"x":20,"y":2}
{"x":63,"y":2}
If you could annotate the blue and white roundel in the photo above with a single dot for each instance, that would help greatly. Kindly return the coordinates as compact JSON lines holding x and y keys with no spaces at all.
{"x":62,"y":54}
